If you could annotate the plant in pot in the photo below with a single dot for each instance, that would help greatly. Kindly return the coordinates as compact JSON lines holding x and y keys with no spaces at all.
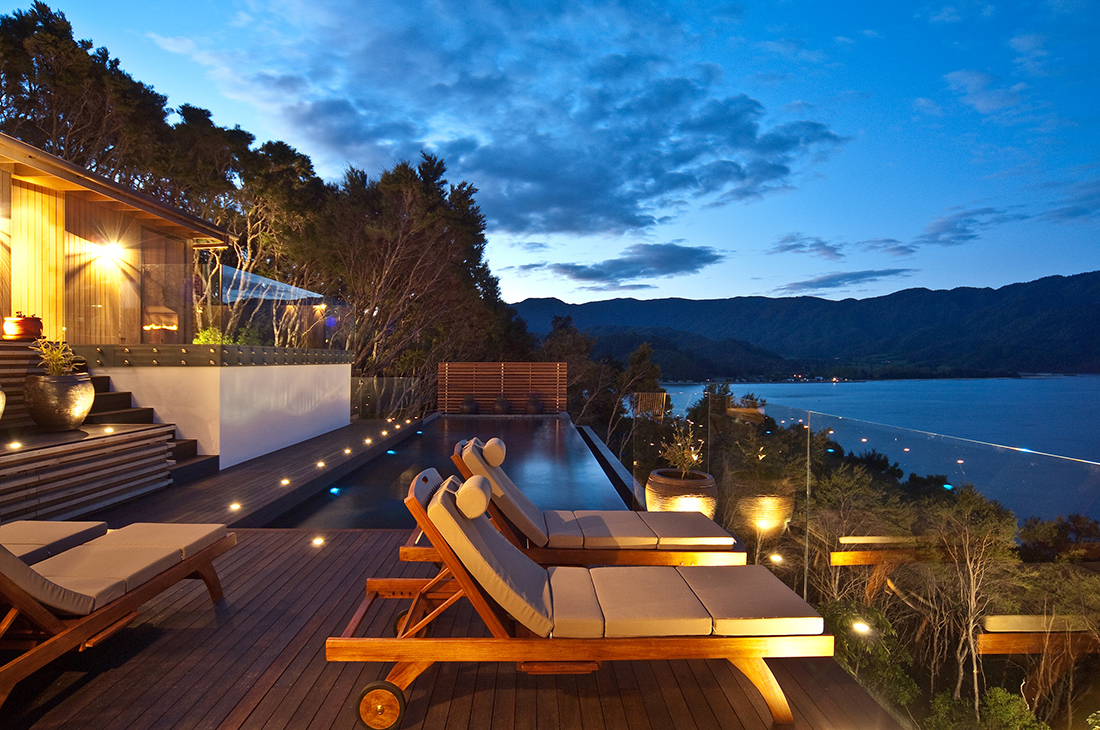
{"x":501,"y":405}
{"x":681,"y":488}
{"x":469,"y":405}
{"x":22,"y":327}
{"x":61,"y":399}
{"x":534,"y":404}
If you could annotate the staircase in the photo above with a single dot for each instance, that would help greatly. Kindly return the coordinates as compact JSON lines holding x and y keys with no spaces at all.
{"x":185,"y":463}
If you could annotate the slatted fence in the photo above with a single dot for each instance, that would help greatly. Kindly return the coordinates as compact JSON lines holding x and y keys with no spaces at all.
{"x":517,"y":381}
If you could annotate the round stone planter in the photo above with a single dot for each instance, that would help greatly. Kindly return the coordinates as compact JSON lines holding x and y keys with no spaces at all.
{"x":58,"y":402}
{"x":667,"y":491}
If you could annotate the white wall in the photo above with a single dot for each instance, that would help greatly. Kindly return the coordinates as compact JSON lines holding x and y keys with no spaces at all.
{"x":242,"y":412}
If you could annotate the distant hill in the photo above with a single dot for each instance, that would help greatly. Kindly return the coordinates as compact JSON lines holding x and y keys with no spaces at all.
{"x":1048,"y":325}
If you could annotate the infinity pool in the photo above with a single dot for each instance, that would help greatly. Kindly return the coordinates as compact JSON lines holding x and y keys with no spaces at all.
{"x":547,"y":459}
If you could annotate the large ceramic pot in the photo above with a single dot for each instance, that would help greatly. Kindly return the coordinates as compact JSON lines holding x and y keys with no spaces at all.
{"x":58,"y":402}
{"x":22,"y":328}
{"x":668,"y":490}
{"x":3,"y":402}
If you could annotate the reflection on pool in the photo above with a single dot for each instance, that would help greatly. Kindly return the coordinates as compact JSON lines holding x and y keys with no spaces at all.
{"x":547,"y":459}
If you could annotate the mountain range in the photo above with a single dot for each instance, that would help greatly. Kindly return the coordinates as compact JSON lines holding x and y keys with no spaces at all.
{"x":1051,"y":325}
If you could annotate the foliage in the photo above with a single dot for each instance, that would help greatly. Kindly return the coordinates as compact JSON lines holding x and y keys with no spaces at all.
{"x":1094,"y":720}
{"x":57,"y":357}
{"x":683,"y":449}
{"x":1070,"y":539}
{"x":876,"y":656}
{"x":247,"y":335}
{"x":999,"y":710}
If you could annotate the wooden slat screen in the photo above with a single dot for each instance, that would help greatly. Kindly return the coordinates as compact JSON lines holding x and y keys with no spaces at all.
{"x":37,"y":279}
{"x":5,"y":244}
{"x":516,"y":380}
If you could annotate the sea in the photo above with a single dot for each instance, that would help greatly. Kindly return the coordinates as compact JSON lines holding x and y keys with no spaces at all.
{"x":1032,"y":443}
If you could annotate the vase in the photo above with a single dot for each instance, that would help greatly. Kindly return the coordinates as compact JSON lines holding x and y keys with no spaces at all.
{"x":58,"y":402}
{"x":22,"y":328}
{"x":668,"y":490}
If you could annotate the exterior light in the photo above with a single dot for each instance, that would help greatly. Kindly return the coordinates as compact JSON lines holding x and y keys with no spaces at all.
{"x":285,"y":482}
{"x":320,"y":463}
{"x":407,"y":421}
{"x":959,"y":461}
{"x":334,"y":491}
{"x":385,"y":433}
{"x":906,"y":448}
{"x":397,"y":425}
{"x":108,"y":430}
{"x":391,"y":452}
{"x":367,"y":441}
{"x":863,"y":440}
{"x":112,"y":250}
{"x":318,"y":541}
{"x":347,"y":451}
{"x":775,"y":558}
{"x":860,"y":627}
{"x":234,"y":507}
{"x":15,"y":445}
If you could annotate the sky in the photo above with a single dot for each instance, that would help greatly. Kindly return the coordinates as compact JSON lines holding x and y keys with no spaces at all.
{"x":648,"y":149}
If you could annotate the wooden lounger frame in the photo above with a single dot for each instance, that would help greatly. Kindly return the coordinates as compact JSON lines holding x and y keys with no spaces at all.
{"x":40,"y":636}
{"x":415,"y":551}
{"x":382,"y":704}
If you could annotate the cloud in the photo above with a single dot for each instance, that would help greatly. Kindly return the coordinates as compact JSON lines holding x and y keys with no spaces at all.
{"x":570,"y":117}
{"x":1081,"y":203}
{"x":638,"y":261}
{"x":812,"y":245}
{"x":963,"y":226}
{"x":531,"y":246}
{"x":889,"y":245}
{"x":843,"y":280}
{"x":927,"y":106}
{"x":977,"y":90}
{"x":1032,"y":56}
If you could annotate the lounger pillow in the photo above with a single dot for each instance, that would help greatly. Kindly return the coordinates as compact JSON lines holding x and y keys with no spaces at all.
{"x":494,"y":451}
{"x":473,"y":496}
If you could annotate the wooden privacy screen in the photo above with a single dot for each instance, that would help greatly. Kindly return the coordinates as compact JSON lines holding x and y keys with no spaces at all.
{"x":516,"y":380}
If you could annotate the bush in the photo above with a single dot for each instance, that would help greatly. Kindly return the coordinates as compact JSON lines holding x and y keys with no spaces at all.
{"x":1000,"y":710}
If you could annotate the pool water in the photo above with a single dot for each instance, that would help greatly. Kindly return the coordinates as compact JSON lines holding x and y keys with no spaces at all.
{"x":547,"y":459}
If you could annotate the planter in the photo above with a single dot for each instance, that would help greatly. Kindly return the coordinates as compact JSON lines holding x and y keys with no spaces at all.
{"x":58,"y":402}
{"x":667,"y":491}
{"x":468,"y":407}
{"x":3,"y":402}
{"x":534,"y":405}
{"x":501,"y":406}
{"x":22,"y":328}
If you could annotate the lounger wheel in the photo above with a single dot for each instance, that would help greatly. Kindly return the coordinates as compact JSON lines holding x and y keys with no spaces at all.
{"x":398,"y":621}
{"x":381,"y":705}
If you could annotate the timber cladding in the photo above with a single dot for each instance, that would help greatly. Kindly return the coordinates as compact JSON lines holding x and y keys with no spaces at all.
{"x":515,"y":380}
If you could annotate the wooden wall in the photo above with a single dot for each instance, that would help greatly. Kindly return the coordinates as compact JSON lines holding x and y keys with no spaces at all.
{"x":516,"y":380}
{"x":166,"y":283}
{"x":5,"y":243}
{"x":37,"y":249}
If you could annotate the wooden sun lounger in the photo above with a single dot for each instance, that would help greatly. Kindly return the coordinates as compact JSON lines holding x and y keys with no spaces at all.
{"x":712,"y":545}
{"x":40,"y":635}
{"x":381,"y":704}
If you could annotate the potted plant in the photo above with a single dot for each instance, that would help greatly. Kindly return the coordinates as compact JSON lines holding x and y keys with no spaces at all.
{"x":469,"y":405}
{"x":681,"y":488}
{"x":534,"y":404}
{"x":60,"y":399}
{"x":22,"y":327}
{"x":501,"y":405}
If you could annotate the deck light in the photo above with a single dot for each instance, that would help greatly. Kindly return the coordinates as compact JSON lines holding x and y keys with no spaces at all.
{"x":108,"y":430}
{"x":860,"y":627}
{"x":385,"y":433}
{"x":391,"y":452}
{"x":285,"y":482}
{"x":15,"y":445}
{"x":235,"y":506}
{"x":397,"y":425}
{"x":320,"y":463}
{"x":347,"y":451}
{"x":367,"y":441}
{"x":334,"y":490}
{"x":318,"y":541}
{"x":407,"y":421}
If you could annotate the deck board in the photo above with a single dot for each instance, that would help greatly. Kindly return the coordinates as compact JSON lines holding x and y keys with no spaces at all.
{"x":257,"y":661}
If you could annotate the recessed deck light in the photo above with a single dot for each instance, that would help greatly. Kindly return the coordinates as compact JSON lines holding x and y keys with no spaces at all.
{"x":347,"y":451}
{"x":385,"y":433}
{"x":367,"y":441}
{"x":318,"y":541}
{"x":285,"y":482}
{"x":15,"y":445}
{"x":320,"y":463}
{"x":235,"y":506}
{"x":108,"y":430}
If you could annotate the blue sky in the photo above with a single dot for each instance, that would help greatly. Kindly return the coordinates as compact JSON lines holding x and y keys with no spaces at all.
{"x":694,"y":149}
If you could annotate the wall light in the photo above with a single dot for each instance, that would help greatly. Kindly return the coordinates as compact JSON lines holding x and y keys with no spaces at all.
{"x":112,"y":250}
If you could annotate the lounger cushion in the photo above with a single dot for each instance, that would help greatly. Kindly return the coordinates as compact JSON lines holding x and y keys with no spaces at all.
{"x":521,"y":587}
{"x":563,"y":530}
{"x":614,"y":529}
{"x":1034,"y":623}
{"x":748,"y":600}
{"x":687,"y":531}
{"x":577,"y":612}
{"x":515,"y":505}
{"x":473,"y":496}
{"x":35,"y":540}
{"x":71,"y":601}
{"x":188,"y":538}
{"x":131,"y":565}
{"x":648,"y":600}
{"x":494,"y":452}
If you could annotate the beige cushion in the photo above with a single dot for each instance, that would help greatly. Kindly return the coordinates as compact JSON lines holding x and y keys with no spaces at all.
{"x":521,"y":587}
{"x":688,"y":531}
{"x":60,"y":598}
{"x":515,"y":505}
{"x":188,"y":538}
{"x":611,"y":529}
{"x":101,"y":590}
{"x":132,"y":565}
{"x":648,"y":600}
{"x":577,"y":613}
{"x":1034,"y":623}
{"x":494,"y":452}
{"x":563,"y":530}
{"x":35,"y":540}
{"x":473,"y":496}
{"x":748,"y":600}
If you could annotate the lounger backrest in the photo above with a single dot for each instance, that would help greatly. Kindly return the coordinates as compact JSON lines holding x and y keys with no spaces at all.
{"x":509,"y":498}
{"x":46,"y":592}
{"x":514,"y":581}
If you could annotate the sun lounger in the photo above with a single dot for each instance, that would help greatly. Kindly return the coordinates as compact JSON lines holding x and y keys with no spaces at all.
{"x":568,"y":619}
{"x":35,"y":540}
{"x":79,"y":596}
{"x":588,"y":537}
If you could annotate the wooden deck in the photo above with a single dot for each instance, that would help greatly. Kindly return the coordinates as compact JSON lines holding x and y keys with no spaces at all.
{"x":258,"y":661}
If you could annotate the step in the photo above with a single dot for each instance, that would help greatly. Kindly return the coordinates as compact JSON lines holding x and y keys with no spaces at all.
{"x":124,"y":415}
{"x":112,"y":401}
{"x":180,"y":449}
{"x":192,"y":469}
{"x":101,"y":383}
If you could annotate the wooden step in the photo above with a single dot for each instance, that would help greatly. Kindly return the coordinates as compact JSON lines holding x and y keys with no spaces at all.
{"x":112,"y":401}
{"x":193,"y":469}
{"x":101,"y":383}
{"x":181,"y":449}
{"x":123,"y":415}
